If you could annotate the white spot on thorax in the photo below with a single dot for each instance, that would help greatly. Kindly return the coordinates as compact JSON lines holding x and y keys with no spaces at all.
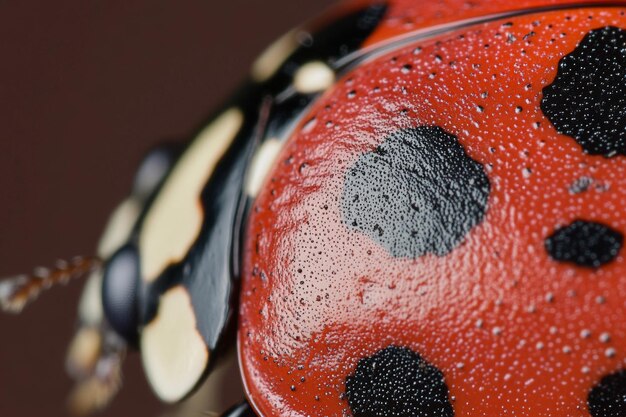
{"x":173,"y":352}
{"x":175,"y":218}
{"x":119,"y":227}
{"x":262,"y":162}
{"x":313,"y":77}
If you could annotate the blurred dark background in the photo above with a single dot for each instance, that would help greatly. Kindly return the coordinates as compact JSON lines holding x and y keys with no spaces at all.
{"x":85,"y":88}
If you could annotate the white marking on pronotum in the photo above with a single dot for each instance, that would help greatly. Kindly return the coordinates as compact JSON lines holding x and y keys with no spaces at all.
{"x":119,"y":227}
{"x":261,"y":164}
{"x":222,"y":388}
{"x":173,"y":352}
{"x":313,"y":77}
{"x":175,"y":218}
{"x":274,"y":56}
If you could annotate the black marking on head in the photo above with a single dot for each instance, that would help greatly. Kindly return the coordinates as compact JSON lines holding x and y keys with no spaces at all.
{"x":584,"y":243}
{"x":417,"y":193}
{"x":608,"y":397}
{"x":397,"y":382}
{"x":120,"y":288}
{"x":587,"y":99}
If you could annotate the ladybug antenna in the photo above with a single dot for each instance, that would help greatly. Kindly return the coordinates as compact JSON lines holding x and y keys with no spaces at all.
{"x":95,"y":363}
{"x":17,"y":292}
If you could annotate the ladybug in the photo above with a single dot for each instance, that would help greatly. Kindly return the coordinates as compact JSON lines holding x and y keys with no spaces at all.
{"x":414,"y":209}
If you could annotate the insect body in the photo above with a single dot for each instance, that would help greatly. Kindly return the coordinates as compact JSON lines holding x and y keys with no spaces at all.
{"x":421,"y":204}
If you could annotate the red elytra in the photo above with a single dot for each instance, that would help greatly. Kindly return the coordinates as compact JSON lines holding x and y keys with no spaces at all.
{"x":512,"y":330}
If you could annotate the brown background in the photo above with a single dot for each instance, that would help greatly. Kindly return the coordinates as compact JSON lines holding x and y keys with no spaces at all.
{"x":85,"y":88}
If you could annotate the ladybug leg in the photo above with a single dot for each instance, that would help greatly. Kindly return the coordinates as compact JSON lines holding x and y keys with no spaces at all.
{"x":96,"y":352}
{"x":94,"y":361}
{"x":240,"y":410}
{"x":95,"y":355}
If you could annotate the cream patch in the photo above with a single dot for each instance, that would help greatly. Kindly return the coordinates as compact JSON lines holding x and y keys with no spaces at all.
{"x":274,"y":56}
{"x":118,"y":227}
{"x":220,"y":391}
{"x":173,"y":352}
{"x":90,"y":306}
{"x":261,"y":164}
{"x":313,"y":77}
{"x":175,"y":218}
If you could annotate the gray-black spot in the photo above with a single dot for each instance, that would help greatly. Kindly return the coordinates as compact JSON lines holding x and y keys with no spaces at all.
{"x":584,"y":243}
{"x":587,"y":99}
{"x":581,"y":185}
{"x":416,"y":193}
{"x":608,"y":397}
{"x":397,"y":382}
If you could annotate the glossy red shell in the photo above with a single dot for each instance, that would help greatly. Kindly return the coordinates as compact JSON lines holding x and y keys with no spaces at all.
{"x":513,"y":331}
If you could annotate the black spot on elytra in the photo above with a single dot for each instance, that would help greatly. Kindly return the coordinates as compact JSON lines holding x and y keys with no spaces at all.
{"x":581,"y":185}
{"x":587,"y":99}
{"x":397,"y":382}
{"x":417,"y":193}
{"x":608,"y":397}
{"x":584,"y":243}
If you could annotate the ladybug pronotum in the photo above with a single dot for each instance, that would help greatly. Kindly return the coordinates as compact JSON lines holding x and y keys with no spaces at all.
{"x":411,"y":209}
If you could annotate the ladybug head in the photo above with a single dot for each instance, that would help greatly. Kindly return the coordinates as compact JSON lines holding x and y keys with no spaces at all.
{"x":108,"y":314}
{"x":162,"y":277}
